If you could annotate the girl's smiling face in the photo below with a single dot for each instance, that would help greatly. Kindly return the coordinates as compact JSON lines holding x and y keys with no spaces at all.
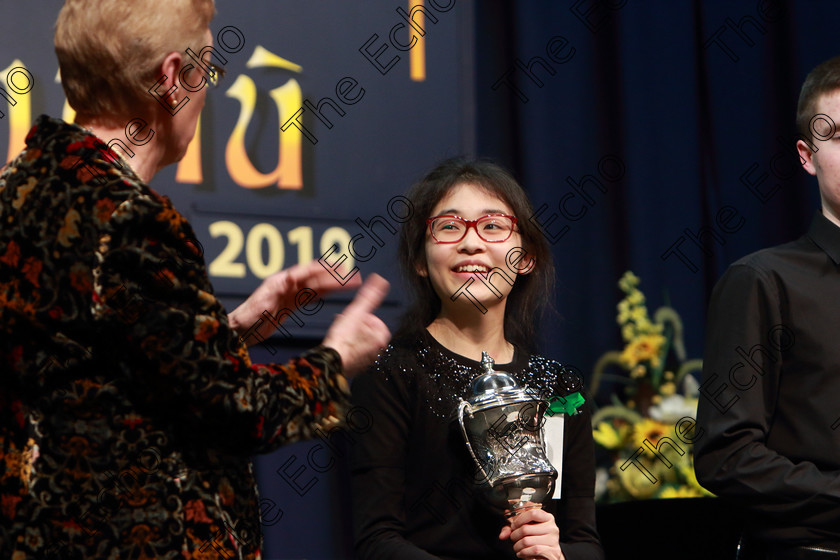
{"x":450,"y":266}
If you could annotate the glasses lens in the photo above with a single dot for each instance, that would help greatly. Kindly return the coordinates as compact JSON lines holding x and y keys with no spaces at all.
{"x":448,"y":229}
{"x":214,"y":74}
{"x":494,"y":228}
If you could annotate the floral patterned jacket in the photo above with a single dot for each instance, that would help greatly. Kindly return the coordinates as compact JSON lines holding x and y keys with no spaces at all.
{"x":128,"y":405}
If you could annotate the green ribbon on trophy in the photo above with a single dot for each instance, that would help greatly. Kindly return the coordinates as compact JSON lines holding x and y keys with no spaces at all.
{"x":568,"y":404}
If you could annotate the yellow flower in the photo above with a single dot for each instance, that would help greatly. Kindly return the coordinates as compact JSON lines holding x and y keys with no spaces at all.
{"x":623,"y":312}
{"x":668,"y":388}
{"x":650,"y":430}
{"x":638,"y":313}
{"x":613,"y":488}
{"x":645,"y":347}
{"x":636,"y":482}
{"x":644,"y":326}
{"x":669,"y":375}
{"x":628,"y":281}
{"x":687,"y":471}
{"x":624,"y":318}
{"x":638,"y":372}
{"x":628,"y":331}
{"x":607,"y":436}
{"x":680,"y":492}
{"x":636,"y":297}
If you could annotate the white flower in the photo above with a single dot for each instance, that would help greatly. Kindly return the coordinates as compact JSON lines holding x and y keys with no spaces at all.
{"x":690,"y":387}
{"x":672,"y":408}
{"x":601,"y":478}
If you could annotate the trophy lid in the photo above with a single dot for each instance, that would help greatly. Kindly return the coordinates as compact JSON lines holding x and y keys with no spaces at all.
{"x":496,"y":387}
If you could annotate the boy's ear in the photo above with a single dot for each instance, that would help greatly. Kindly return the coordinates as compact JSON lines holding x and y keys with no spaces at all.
{"x":807,"y":156}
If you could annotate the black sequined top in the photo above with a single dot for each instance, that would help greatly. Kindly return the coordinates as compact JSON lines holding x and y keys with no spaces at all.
{"x":413,"y":479}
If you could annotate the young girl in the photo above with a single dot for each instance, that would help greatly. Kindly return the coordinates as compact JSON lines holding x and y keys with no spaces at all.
{"x":479,"y":271}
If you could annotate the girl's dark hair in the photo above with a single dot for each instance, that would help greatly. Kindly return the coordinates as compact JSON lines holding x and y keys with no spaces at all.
{"x":530,"y":293}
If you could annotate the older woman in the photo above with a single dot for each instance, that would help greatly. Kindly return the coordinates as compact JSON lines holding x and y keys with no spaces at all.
{"x":128,"y":403}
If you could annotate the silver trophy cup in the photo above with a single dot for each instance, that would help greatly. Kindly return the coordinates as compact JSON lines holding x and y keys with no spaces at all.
{"x":502,"y":426}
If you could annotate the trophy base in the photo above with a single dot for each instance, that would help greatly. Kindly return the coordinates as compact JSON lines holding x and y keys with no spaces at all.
{"x":516,"y":494}
{"x":520,"y":507}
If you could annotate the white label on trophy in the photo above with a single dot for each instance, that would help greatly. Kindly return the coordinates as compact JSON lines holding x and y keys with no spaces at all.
{"x":553,"y":437}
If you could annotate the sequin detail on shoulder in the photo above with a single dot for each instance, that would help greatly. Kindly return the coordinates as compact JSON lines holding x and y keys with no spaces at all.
{"x":565,"y":380}
{"x":442,"y":381}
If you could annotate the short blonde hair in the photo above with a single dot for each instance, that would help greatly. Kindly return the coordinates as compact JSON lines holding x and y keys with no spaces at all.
{"x":109,"y":50}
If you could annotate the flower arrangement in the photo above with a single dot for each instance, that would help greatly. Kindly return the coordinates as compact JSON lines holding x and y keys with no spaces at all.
{"x":659,"y":395}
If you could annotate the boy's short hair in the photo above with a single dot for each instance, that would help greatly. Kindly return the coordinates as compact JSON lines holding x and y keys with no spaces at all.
{"x":823,"y":79}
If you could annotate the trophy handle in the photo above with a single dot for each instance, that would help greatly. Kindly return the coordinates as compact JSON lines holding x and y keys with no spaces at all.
{"x":465,"y":406}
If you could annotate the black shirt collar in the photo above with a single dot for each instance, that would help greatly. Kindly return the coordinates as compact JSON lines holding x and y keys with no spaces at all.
{"x":826,"y":234}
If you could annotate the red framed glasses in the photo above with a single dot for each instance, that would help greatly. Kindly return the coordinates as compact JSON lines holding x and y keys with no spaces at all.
{"x":492,"y":228}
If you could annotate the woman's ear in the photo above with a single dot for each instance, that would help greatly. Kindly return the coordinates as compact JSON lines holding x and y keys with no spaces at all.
{"x":168,"y":91}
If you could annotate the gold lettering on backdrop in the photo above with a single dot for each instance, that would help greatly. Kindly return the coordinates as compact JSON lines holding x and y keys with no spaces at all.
{"x":264,"y":57}
{"x":68,"y":115}
{"x":289,"y":171}
{"x":20,"y":107}
{"x":417,"y":55}
{"x":189,"y":168}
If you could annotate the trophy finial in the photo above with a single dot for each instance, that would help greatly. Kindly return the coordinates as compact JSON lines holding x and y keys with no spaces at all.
{"x":487,"y":362}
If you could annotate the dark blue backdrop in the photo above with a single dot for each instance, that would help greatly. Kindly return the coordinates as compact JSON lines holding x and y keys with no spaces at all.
{"x":695,"y":99}
{"x":684,"y":114}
